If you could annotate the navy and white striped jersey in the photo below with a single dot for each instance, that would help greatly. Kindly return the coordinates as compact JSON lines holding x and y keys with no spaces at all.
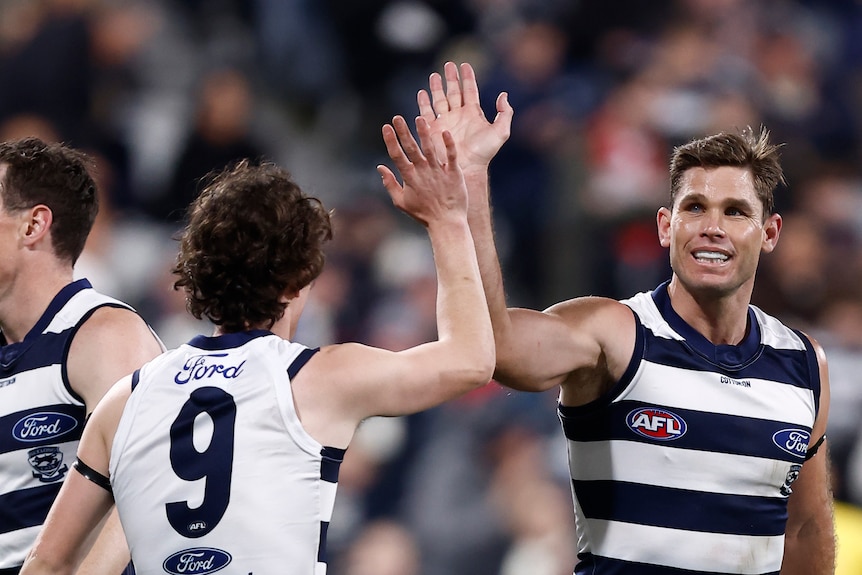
{"x":41,"y":418}
{"x":686,"y":466}
{"x":211,"y":467}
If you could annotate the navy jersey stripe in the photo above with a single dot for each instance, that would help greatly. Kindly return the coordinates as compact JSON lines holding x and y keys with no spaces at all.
{"x":321,"y":548}
{"x":330,"y":463}
{"x":813,"y":368}
{"x":710,"y":432}
{"x":300,"y":361}
{"x":591,"y":564}
{"x":780,"y":365}
{"x":16,"y":434}
{"x":27,"y":507}
{"x":58,"y":303}
{"x":227,"y":340}
{"x":706,"y":512}
{"x":28,"y":355}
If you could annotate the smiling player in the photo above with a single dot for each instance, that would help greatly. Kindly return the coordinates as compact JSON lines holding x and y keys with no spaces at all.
{"x":695,"y":422}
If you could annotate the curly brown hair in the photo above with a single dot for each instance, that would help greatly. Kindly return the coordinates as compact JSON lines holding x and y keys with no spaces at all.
{"x":253,"y":236}
{"x":744,"y":150}
{"x":56,"y":176}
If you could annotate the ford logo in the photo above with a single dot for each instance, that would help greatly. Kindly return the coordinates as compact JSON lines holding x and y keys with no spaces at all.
{"x":197,"y":561}
{"x":43,"y":426}
{"x":793,"y":441}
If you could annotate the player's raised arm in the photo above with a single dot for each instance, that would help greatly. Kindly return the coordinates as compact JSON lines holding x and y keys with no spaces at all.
{"x":432,"y":192}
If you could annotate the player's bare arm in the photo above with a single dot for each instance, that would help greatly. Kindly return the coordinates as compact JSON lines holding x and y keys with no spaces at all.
{"x":396,"y":383}
{"x":583,"y":344}
{"x":109,"y":345}
{"x":68,"y":537}
{"x":809,"y":545}
{"x":112,"y":343}
{"x":455,"y":108}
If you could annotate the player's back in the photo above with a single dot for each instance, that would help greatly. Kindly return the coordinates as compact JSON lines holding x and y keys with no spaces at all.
{"x":211,"y":467}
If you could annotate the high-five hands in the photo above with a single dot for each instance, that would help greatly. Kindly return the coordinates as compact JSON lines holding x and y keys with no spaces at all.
{"x":433,"y":187}
{"x":457,"y":110}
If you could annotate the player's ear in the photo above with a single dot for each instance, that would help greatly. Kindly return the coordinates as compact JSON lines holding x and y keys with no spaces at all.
{"x":662,"y":219}
{"x":35,"y":223}
{"x":771,"y":231}
{"x":288,"y":295}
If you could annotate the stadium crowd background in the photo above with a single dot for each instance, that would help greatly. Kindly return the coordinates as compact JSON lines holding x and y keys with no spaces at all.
{"x":162,"y":91}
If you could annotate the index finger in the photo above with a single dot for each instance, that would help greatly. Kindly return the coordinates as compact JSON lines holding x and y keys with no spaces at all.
{"x":425,"y":108}
{"x":393,"y":148}
{"x":438,"y":96}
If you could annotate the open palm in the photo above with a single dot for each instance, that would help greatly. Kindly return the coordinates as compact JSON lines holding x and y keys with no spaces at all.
{"x":457,"y":110}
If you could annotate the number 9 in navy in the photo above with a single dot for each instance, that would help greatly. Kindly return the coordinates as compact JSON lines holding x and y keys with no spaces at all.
{"x":214,"y":464}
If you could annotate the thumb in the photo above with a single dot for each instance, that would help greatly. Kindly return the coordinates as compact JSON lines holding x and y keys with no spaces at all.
{"x":396,"y":191}
{"x":505,"y":112}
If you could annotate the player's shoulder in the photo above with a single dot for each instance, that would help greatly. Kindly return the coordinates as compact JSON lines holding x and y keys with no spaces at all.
{"x":592,"y":310}
{"x":109,"y":322}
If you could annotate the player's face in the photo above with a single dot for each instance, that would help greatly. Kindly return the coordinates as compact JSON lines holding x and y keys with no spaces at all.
{"x":716,"y":231}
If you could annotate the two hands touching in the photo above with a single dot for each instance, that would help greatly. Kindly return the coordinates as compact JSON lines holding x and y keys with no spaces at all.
{"x":456,"y":141}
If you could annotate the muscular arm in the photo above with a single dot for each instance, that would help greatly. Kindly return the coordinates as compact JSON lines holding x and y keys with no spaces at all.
{"x":347,"y":383}
{"x":579,"y":344}
{"x":81,"y":508}
{"x":809,"y":545}
{"x":112,"y":343}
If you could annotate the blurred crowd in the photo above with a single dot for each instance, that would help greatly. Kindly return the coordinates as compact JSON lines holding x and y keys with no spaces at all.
{"x":160,"y":92}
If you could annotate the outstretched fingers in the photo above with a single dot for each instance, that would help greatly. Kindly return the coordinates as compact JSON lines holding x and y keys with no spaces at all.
{"x":469,"y":85}
{"x":408,"y":150}
{"x":393,"y":148}
{"x":438,"y":95}
{"x":426,"y":110}
{"x":453,"y":85}
{"x":423,"y":128}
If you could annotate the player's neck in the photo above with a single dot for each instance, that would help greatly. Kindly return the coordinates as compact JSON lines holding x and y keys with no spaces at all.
{"x":26,"y":296}
{"x":721,"y":320}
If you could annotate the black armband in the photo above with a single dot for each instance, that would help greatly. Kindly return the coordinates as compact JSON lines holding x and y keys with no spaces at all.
{"x":812,"y":451}
{"x":93,"y":476}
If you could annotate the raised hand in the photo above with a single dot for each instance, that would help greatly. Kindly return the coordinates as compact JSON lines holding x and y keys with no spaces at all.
{"x":433,"y":188}
{"x":457,"y":110}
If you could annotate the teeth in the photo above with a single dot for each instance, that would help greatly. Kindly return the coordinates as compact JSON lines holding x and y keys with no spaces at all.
{"x":715,"y":256}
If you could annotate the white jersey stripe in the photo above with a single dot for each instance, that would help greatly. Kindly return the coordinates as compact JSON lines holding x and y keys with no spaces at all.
{"x":635,"y":462}
{"x":14,"y":541}
{"x":689,"y":461}
{"x":702,"y":390}
{"x":745,"y":555}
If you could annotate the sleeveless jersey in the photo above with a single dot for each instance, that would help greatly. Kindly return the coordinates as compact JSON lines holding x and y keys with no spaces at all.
{"x":41,"y":418}
{"x":687,"y":464}
{"x":211,"y":468}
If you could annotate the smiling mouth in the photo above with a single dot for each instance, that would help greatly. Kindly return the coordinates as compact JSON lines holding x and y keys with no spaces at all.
{"x":710,"y":257}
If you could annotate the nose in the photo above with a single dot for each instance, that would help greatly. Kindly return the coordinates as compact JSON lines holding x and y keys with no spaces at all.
{"x":712,"y":224}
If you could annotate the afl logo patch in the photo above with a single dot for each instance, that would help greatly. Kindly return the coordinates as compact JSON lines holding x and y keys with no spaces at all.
{"x":655,"y":423}
{"x":793,"y":441}
{"x":43,"y":426}
{"x":197,"y":561}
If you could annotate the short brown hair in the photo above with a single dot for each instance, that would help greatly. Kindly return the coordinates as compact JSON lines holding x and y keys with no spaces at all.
{"x":56,"y":176}
{"x":742,"y":149}
{"x":252,"y":236}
